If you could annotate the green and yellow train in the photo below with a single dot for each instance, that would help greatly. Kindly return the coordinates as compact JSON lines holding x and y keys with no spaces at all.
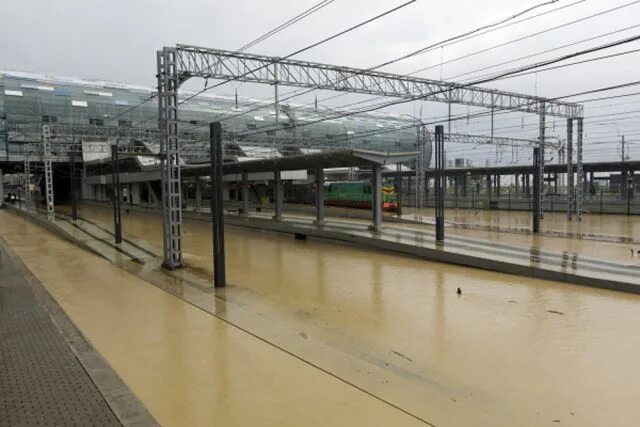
{"x":359,"y":194}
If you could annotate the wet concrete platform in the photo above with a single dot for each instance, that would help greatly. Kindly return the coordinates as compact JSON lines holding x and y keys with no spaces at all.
{"x":491,"y":254}
{"x":186,"y":365}
{"x":612,"y":228}
{"x":511,"y":350}
{"x":46,"y":366}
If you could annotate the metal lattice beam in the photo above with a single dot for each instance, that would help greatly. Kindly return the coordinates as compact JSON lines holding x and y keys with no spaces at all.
{"x":203,"y":62}
{"x":498,"y":140}
{"x":579,"y":172}
{"x":571,"y":194}
{"x":168,"y":84}
{"x":423,"y":142}
{"x":178,"y":64}
{"x":27,"y":177}
{"x":48,"y":170}
{"x":27,"y":131}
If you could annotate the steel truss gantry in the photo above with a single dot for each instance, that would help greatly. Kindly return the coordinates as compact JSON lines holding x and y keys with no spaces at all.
{"x":194,"y":61}
{"x":66,"y":131}
{"x":168,"y":84}
{"x":423,"y":142}
{"x":575,"y":188}
{"x":26,"y":188}
{"x":66,"y":149}
{"x":497,"y":140}
{"x":48,"y":170}
{"x":177,"y":64}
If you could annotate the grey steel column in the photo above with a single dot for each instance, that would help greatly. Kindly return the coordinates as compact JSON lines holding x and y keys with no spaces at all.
{"x":629,"y":184}
{"x":376,"y":199}
{"x":539,"y":171}
{"x":398,"y":190}
{"x":488,"y":189}
{"x":168,"y":83}
{"x":439,"y":182}
{"x":74,"y":198}
{"x":27,"y":176}
{"x":579,"y":174}
{"x":320,"y":196}
{"x":115,"y":180}
{"x":570,"y":186}
{"x":198,"y":195}
{"x":1,"y":189}
{"x":245,"y":194}
{"x":277,"y":194}
{"x":48,"y":170}
{"x":537,"y":154}
{"x":217,"y":204}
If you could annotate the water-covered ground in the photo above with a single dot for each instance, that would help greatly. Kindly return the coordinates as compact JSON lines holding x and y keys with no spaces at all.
{"x":346,"y":336}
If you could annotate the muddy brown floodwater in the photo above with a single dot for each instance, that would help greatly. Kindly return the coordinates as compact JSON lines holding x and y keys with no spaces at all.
{"x":621,"y":225}
{"x":509,"y":351}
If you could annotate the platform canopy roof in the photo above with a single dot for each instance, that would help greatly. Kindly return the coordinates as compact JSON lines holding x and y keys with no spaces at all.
{"x":325,"y":159}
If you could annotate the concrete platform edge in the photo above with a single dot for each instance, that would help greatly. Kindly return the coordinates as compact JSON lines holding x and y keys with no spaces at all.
{"x":394,"y":247}
{"x":124,"y":404}
{"x":438,"y":255}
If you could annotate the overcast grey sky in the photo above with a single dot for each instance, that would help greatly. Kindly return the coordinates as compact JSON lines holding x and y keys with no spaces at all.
{"x":117,"y":40}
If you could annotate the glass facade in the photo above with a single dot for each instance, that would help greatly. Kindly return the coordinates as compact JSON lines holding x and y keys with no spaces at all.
{"x":27,"y":98}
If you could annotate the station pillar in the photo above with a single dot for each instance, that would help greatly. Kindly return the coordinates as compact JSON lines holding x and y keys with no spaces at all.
{"x":376,"y":203}
{"x":245,"y":194}
{"x":277,"y":195}
{"x":320,"y":197}
{"x":115,"y":181}
{"x":537,"y":158}
{"x":440,"y":177}
{"x":1,"y":189}
{"x":198,"y":195}
{"x":217,"y":204}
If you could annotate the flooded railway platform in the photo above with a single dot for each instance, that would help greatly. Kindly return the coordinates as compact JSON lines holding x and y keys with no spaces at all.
{"x":312,"y":332}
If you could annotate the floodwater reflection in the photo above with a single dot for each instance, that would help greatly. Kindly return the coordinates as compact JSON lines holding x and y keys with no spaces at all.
{"x":508,"y":351}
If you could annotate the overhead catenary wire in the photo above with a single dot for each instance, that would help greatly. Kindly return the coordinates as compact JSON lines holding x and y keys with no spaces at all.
{"x":601,"y":13}
{"x":304,"y":49}
{"x":598,"y":58}
{"x":398,"y":59}
{"x":439,"y":119}
{"x":308,"y":47}
{"x":474,"y":83}
{"x":455,"y":40}
{"x":313,"y":9}
{"x":528,"y":36}
{"x":543,"y":52}
{"x":595,"y":15}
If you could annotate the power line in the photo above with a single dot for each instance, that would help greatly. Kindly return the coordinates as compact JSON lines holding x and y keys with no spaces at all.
{"x":287,"y":24}
{"x":403,"y":57}
{"x":557,"y":27}
{"x":439,"y":119}
{"x":263,"y":37}
{"x":598,"y":58}
{"x":507,"y":43}
{"x":544,"y":51}
{"x":477,"y":82}
{"x":457,"y":40}
{"x":352,"y":28}
{"x":304,"y":49}
{"x":451,"y":39}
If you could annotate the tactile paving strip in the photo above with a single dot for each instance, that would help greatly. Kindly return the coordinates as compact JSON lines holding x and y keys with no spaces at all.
{"x":41,"y":381}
